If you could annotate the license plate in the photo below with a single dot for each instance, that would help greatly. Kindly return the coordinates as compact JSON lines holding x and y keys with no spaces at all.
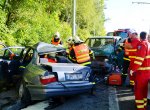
{"x":73,"y":76}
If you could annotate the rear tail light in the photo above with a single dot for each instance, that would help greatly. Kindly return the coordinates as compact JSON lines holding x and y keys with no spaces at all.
{"x":48,"y":78}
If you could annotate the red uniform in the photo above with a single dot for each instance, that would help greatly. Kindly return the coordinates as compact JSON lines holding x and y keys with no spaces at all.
{"x":132,"y":55}
{"x":141,"y":67}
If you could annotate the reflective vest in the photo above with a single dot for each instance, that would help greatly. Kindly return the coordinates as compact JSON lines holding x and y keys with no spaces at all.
{"x":55,"y":43}
{"x":81,"y":53}
{"x":142,"y":59}
{"x":126,"y":51}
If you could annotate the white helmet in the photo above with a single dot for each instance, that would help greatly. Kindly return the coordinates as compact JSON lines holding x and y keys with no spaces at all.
{"x":69,"y":40}
{"x":57,"y":35}
{"x":76,"y":39}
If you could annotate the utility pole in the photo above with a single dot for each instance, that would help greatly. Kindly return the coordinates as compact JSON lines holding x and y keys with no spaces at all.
{"x":142,"y":4}
{"x":73,"y":18}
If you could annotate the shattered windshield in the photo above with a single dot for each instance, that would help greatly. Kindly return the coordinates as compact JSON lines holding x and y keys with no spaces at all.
{"x":101,"y":46}
{"x":99,"y":42}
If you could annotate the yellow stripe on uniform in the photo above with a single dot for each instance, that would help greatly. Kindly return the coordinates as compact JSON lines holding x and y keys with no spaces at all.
{"x":139,"y":58}
{"x":126,"y":59}
{"x":21,"y":66}
{"x":147,"y":56}
{"x":139,"y":101}
{"x":132,"y":50}
{"x":81,"y":56}
{"x":138,"y":63}
{"x":140,"y":106}
{"x":85,"y":63}
{"x":132,"y":56}
{"x":144,"y":68}
{"x":132,"y":82}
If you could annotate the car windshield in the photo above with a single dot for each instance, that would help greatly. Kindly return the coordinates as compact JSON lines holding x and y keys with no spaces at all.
{"x":121,"y":34}
{"x":98,"y":42}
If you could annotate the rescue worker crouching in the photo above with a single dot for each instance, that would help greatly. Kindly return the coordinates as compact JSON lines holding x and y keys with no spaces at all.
{"x":56,"y":39}
{"x":80,"y":53}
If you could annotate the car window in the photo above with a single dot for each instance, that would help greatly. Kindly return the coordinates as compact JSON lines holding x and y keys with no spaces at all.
{"x":53,"y":57}
{"x":28,"y":56}
{"x":16,"y":51}
{"x":7,"y":54}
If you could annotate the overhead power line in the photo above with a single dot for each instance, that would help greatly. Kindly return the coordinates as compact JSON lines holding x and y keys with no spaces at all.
{"x":141,"y":2}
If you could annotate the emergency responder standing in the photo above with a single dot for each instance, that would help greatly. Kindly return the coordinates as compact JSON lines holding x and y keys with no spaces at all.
{"x":56,"y":39}
{"x":126,"y":60}
{"x":132,"y":49}
{"x":141,"y":69}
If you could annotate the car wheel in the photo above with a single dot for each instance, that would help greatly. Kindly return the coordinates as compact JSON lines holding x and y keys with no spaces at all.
{"x":93,"y":90}
{"x":24,"y":95}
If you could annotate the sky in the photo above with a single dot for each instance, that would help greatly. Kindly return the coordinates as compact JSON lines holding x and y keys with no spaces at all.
{"x":126,"y":14}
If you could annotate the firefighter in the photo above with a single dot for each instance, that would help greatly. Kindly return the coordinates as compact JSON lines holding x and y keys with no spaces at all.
{"x":69,"y":45}
{"x":132,"y":49}
{"x":69,"y":42}
{"x":56,"y":39}
{"x":141,"y":69}
{"x":79,"y":52}
{"x":126,"y":60}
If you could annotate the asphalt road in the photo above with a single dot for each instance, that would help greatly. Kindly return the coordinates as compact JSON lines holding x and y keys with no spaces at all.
{"x":126,"y":99}
{"x":105,"y":98}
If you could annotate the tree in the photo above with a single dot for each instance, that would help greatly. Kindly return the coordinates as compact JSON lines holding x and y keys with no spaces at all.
{"x":26,"y":22}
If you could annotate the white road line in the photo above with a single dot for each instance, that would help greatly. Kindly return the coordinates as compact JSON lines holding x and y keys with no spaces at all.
{"x":38,"y":106}
{"x":113,"y":100}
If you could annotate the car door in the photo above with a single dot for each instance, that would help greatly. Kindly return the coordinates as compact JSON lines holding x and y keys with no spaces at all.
{"x":3,"y":65}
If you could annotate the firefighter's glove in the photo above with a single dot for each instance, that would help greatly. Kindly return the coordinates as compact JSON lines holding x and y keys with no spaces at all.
{"x":131,"y":72}
{"x":121,"y":44}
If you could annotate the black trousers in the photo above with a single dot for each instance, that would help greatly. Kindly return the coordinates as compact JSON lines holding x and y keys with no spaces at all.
{"x":126,"y":64}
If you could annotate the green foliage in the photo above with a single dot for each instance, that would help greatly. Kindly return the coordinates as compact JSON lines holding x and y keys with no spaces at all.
{"x":26,"y":22}
{"x":5,"y":33}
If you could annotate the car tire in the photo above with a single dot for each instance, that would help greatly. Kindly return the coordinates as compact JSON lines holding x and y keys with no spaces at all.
{"x":93,"y":90}
{"x":24,"y":95}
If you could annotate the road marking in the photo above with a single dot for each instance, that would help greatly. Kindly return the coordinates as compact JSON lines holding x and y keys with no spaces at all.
{"x":113,"y":100}
{"x":39,"y":106}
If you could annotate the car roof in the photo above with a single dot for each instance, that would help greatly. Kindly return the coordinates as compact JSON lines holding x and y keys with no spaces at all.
{"x":43,"y":47}
{"x":107,"y":37}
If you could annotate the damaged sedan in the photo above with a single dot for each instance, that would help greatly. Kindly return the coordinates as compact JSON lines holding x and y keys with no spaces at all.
{"x":48,"y":73}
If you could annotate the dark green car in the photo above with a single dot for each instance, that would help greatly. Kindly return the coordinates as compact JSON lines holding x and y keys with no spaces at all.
{"x":104,"y":48}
